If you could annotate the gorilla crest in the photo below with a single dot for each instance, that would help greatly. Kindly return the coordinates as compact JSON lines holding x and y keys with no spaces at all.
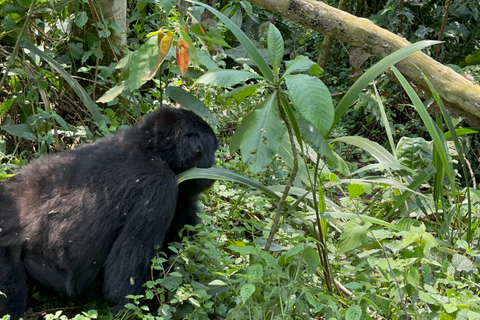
{"x":88,"y":219}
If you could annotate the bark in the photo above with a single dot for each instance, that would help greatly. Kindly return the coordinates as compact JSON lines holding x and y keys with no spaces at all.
{"x":116,"y":11}
{"x":460,"y":96}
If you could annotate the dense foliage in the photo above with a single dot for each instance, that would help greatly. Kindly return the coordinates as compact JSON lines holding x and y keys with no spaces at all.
{"x":367,"y":206}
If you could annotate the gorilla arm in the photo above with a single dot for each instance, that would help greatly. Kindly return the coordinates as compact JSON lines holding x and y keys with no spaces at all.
{"x":127,"y":266}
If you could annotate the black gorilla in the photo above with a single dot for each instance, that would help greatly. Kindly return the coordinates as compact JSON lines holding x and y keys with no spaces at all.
{"x":92,"y":216}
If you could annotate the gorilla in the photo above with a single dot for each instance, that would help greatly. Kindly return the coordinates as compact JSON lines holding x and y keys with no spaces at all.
{"x":87,"y":220}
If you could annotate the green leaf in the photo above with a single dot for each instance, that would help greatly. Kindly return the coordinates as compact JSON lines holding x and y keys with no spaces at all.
{"x":21,"y":130}
{"x":143,"y":60}
{"x":246,"y":291}
{"x":357,"y":189}
{"x":275,"y":46}
{"x":189,"y":101}
{"x":112,"y":93}
{"x":260,"y":135}
{"x":353,"y":236}
{"x":222,"y":174}
{"x":462,"y":263}
{"x":226,"y":78}
{"x":81,"y":19}
{"x":312,"y":99}
{"x":414,"y":153}
{"x":300,"y":64}
{"x":313,"y":137}
{"x":213,"y":35}
{"x":413,"y":276}
{"x":242,"y":92}
{"x":353,"y":313}
{"x":438,"y":139}
{"x":376,"y":150}
{"x":312,"y":259}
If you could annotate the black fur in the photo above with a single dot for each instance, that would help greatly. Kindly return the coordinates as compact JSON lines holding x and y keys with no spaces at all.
{"x":93,"y":215}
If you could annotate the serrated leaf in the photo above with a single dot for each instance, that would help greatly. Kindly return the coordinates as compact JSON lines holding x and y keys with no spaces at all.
{"x":255,"y":270}
{"x":413,"y":276}
{"x":462,"y":263}
{"x":312,"y":259}
{"x":353,"y":313}
{"x":298,"y":65}
{"x":226,"y":78}
{"x":246,"y":291}
{"x":312,"y":99}
{"x":275,"y":45}
{"x":260,"y":135}
{"x":353,"y":236}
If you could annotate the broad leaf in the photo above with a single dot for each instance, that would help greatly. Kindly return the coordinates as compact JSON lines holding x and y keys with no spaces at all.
{"x":21,"y":130}
{"x":312,"y":99}
{"x":314,"y":137}
{"x":226,"y":78}
{"x":246,"y":291}
{"x":260,"y":135}
{"x":300,"y":64}
{"x":189,"y":101}
{"x":142,"y":61}
{"x":414,"y":152}
{"x":275,"y":45}
{"x":165,"y":42}
{"x":112,"y":93}
{"x":462,"y":263}
{"x":353,"y":236}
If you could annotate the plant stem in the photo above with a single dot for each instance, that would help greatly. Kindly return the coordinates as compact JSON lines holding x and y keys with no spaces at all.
{"x":442,"y":28}
{"x":293,"y":174}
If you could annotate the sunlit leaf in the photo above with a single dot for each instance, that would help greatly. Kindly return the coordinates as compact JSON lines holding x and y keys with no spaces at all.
{"x":165,"y":42}
{"x":226,"y":78}
{"x":353,"y":236}
{"x":183,"y":57}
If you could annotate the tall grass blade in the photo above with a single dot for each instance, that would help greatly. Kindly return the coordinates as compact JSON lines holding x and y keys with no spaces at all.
{"x":82,"y":94}
{"x":373,"y":72}
{"x":260,"y":62}
{"x":222,"y":174}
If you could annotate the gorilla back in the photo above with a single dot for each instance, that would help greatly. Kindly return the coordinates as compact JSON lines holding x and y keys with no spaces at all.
{"x":93,"y":215}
